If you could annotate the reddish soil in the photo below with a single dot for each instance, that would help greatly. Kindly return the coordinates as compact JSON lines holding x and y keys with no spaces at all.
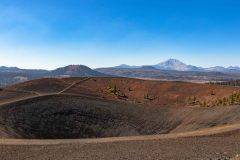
{"x":160,"y":92}
{"x":86,"y":108}
{"x":43,"y":86}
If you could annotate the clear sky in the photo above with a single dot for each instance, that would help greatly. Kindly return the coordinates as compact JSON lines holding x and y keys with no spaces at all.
{"x":99,"y":33}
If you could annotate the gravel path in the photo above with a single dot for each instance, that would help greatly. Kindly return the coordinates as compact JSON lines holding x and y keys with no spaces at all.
{"x":220,"y":147}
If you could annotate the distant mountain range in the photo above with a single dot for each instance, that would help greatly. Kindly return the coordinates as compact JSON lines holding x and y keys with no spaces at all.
{"x":176,"y":65}
{"x":171,"y":69}
{"x":3,"y":68}
{"x":12,"y":75}
{"x":176,"y":70}
{"x":68,"y":71}
{"x":75,"y":71}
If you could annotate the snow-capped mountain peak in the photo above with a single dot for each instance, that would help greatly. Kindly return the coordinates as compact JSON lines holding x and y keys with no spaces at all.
{"x":174,"y":64}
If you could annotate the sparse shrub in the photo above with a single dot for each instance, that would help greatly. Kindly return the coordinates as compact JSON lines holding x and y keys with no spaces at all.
{"x":213,"y":93}
{"x":225,"y":101}
{"x":204,"y":104}
{"x":192,"y":100}
{"x":233,"y":99}
{"x":147,"y":96}
{"x":122,"y":95}
{"x":113,"y":89}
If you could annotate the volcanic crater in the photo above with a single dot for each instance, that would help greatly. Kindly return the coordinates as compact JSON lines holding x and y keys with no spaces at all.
{"x":108,"y":107}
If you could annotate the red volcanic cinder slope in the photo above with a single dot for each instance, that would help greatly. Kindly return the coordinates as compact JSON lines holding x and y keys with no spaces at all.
{"x":151,"y":92}
{"x":108,"y":107}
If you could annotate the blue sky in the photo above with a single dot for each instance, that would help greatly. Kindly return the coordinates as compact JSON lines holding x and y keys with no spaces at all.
{"x":100,"y":33}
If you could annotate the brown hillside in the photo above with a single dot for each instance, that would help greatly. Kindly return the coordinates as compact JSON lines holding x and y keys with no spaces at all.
{"x":108,"y":107}
{"x":160,"y":93}
{"x":151,"y":92}
{"x":46,"y":85}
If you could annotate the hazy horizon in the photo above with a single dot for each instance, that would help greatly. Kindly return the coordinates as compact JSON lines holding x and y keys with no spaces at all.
{"x":51,"y":34}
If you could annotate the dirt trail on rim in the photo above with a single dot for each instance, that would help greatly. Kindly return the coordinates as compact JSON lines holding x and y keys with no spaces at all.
{"x":202,"y":132}
{"x":220,"y":143}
